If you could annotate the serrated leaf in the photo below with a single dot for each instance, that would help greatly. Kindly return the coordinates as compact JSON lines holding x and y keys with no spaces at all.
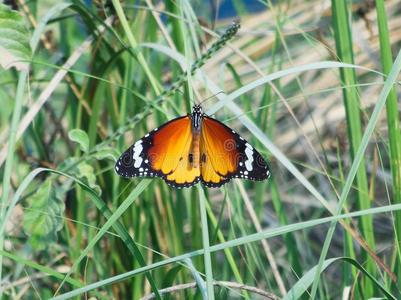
{"x":79,"y":136}
{"x":87,"y":174}
{"x":15,"y":50}
{"x":43,"y":219}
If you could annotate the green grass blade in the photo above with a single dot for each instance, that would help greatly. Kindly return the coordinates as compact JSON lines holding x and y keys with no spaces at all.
{"x":110,"y":222}
{"x":198,"y":279}
{"x":391,"y":79}
{"x":206,"y":247}
{"x":268,"y":233}
{"x":134,"y":46}
{"x":393,"y":121}
{"x":10,"y":152}
{"x":304,"y":283}
{"x":343,"y":39}
{"x":44,"y":269}
{"x":112,"y":218}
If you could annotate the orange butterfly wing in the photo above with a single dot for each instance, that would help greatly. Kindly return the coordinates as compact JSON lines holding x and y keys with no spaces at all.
{"x":225,"y":155}
{"x":163,"y":153}
{"x":166,"y":152}
{"x":218,"y":153}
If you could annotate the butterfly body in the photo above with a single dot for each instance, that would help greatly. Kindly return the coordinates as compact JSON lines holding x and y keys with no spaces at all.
{"x":190,"y":149}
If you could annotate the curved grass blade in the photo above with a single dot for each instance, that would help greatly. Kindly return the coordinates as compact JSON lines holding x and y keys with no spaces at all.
{"x":120,"y":229}
{"x":40,"y":268}
{"x":390,"y":81}
{"x":268,"y":233}
{"x":305,"y":282}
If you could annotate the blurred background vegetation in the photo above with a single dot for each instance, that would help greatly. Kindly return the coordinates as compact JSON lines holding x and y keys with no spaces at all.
{"x":104,"y":73}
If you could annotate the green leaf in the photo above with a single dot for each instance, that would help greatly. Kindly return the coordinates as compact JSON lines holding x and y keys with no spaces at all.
{"x":43,"y":219}
{"x":106,"y":152}
{"x":87,"y":174}
{"x":15,"y":50}
{"x":79,"y":136}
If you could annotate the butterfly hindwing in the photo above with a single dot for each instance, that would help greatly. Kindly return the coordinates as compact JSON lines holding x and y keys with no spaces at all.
{"x":227,"y":155}
{"x":163,"y":153}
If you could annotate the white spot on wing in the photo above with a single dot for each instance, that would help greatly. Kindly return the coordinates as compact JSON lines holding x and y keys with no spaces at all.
{"x":137,"y":152}
{"x":138,"y":162}
{"x":249,"y":155}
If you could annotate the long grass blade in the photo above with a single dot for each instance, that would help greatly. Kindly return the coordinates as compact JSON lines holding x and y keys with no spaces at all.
{"x":391,"y":79}
{"x":343,"y":38}
{"x":393,"y":121}
{"x":229,"y":244}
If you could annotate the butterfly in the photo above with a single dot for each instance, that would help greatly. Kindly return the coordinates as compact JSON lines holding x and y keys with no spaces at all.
{"x":190,"y":149}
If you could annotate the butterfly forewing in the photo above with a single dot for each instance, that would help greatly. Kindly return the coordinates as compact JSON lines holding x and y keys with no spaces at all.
{"x":135,"y":160}
{"x":162,"y":152}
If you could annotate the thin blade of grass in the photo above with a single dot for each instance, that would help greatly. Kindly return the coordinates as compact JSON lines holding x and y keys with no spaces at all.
{"x":343,"y":39}
{"x":268,"y":233}
{"x":304,"y":283}
{"x":206,"y":246}
{"x":393,"y":122}
{"x":134,"y":45}
{"x":391,"y":79}
{"x":22,"y":79}
{"x":44,"y":269}
{"x":102,"y":207}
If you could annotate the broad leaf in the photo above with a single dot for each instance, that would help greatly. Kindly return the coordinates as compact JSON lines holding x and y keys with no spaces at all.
{"x":79,"y":136}
{"x":87,"y":174}
{"x":15,"y":50}
{"x":106,"y":152}
{"x":43,"y":219}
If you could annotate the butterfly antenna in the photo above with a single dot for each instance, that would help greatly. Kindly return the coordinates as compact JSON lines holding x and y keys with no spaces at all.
{"x":210,"y":97}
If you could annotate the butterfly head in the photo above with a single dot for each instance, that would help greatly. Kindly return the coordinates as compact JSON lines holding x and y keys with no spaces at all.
{"x":196,"y":117}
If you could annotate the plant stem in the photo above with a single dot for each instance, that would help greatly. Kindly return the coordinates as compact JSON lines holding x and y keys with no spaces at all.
{"x":23,"y":75}
{"x":206,"y":246}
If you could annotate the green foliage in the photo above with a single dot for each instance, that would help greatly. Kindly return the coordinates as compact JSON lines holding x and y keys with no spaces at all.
{"x":87,"y":174}
{"x":104,"y":73}
{"x":42,"y":221}
{"x":79,"y":136}
{"x":306,"y":281}
{"x":15,"y":50}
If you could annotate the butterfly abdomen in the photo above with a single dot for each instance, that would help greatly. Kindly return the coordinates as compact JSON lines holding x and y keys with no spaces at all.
{"x":194,"y":156}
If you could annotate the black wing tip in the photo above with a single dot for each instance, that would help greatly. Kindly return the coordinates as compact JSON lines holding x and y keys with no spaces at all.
{"x":118,"y":168}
